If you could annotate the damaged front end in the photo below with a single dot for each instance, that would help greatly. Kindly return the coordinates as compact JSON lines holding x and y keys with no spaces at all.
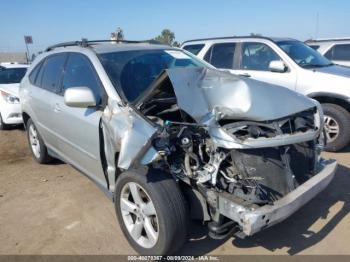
{"x":251,"y":150}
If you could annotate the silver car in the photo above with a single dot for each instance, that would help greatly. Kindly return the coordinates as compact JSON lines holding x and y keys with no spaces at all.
{"x":169,"y":138}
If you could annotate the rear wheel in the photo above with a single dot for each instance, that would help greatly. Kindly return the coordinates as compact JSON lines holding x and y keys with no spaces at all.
{"x":36,"y":144}
{"x":3,"y":126}
{"x":151,"y":211}
{"x":336,"y":127}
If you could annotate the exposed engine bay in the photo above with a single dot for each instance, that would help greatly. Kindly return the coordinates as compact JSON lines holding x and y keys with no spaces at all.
{"x":249,"y":152}
{"x":257,"y":175}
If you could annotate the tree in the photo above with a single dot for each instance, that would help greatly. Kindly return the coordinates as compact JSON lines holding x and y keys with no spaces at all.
{"x":167,"y":37}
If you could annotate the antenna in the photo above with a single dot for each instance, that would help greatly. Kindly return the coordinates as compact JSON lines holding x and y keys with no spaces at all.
{"x":317,"y":25}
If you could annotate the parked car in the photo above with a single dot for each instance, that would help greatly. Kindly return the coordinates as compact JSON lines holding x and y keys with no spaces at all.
{"x":336,"y":50}
{"x":288,"y":63}
{"x":11,"y":75}
{"x":169,"y":137}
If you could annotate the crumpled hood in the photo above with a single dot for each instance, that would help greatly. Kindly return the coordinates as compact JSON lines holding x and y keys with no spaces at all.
{"x":207,"y":95}
{"x":337,"y":70}
{"x":203,"y":92}
{"x":12,"y":89}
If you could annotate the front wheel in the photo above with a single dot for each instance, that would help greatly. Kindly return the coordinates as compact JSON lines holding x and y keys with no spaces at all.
{"x":336,"y":127}
{"x":151,"y":211}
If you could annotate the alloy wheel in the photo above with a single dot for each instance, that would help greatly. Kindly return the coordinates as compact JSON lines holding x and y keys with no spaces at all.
{"x":139,"y":215}
{"x":34,"y":141}
{"x":332,"y":128}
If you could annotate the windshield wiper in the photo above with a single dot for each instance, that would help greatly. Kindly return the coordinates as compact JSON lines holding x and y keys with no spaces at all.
{"x":316,"y":65}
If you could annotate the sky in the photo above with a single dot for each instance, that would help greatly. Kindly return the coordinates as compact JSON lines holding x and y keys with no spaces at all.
{"x":53,"y":21}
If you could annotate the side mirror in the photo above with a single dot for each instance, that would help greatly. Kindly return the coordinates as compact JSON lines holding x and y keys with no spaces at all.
{"x":79,"y":97}
{"x":277,"y":66}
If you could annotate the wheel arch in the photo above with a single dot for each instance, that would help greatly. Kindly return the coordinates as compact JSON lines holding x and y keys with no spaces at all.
{"x":25,"y":117}
{"x":324,"y":97}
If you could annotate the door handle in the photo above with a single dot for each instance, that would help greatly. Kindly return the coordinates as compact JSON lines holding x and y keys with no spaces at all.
{"x":57,"y":108}
{"x":245,"y":75}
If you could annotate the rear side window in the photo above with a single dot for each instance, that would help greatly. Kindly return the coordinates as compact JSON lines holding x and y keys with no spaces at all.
{"x":52,"y":71}
{"x":39,"y":77}
{"x":257,"y":56}
{"x":329,"y":54}
{"x":221,"y":55}
{"x":194,"y":49}
{"x":33,"y":75}
{"x":340,"y":52}
{"x":79,"y":73}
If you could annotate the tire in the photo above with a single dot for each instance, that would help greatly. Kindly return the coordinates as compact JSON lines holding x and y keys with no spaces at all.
{"x":337,"y":126}
{"x":39,"y":150}
{"x":3,"y":126}
{"x":170,"y":212}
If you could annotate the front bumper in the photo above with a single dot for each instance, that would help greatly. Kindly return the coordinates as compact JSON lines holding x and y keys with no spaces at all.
{"x":11,"y":113}
{"x":254,"y":220}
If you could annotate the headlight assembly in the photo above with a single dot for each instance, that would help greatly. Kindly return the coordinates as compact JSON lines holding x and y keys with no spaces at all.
{"x":11,"y":99}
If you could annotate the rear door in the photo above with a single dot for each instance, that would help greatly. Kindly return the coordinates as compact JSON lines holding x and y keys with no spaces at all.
{"x":78,"y":128}
{"x":43,"y":91}
{"x":223,"y":56}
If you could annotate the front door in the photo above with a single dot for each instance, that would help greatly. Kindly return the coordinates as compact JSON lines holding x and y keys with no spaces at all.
{"x":255,"y":58}
{"x":78,"y":128}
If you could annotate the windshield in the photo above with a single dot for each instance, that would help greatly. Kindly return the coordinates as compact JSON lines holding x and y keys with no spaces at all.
{"x":11,"y":75}
{"x":303,"y":55}
{"x":134,"y":71}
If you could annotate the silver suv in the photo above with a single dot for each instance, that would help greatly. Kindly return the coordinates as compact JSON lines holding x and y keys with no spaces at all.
{"x":289,"y":63}
{"x":168,"y":137}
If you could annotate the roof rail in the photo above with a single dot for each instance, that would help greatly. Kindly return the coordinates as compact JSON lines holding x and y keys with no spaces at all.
{"x":228,"y":37}
{"x":238,"y":37}
{"x":86,"y":43}
{"x":328,"y":39}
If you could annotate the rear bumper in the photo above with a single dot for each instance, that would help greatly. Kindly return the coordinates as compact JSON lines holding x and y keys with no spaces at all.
{"x":254,"y":220}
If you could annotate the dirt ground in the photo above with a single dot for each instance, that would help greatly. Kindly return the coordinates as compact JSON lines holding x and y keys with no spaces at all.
{"x":52,"y":209}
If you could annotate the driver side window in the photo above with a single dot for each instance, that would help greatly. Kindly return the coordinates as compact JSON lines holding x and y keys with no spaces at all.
{"x":257,"y":56}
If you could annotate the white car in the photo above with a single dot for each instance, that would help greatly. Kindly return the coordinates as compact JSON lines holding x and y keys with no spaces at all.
{"x":289,"y":63}
{"x":335,"y":49}
{"x":10,"y":107}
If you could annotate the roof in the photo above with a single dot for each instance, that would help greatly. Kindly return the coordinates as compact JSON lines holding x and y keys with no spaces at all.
{"x":273,"y":39}
{"x":13,"y":65}
{"x":112,"y":47}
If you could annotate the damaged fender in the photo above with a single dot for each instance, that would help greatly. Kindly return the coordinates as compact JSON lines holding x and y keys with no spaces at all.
{"x":125,"y":132}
